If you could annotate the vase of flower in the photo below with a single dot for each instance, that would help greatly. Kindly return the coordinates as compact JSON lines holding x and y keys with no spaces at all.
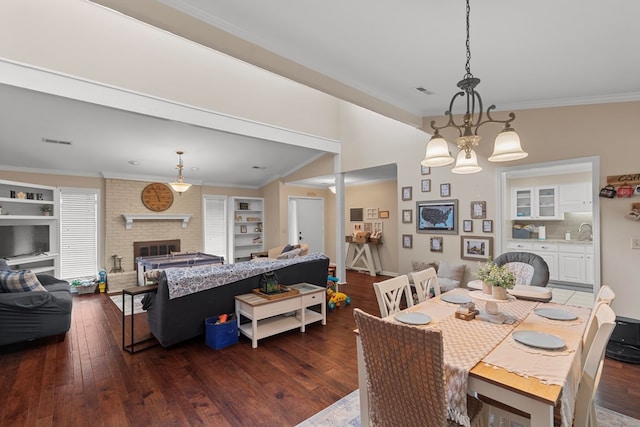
{"x":498,"y":292}
{"x":486,"y":288}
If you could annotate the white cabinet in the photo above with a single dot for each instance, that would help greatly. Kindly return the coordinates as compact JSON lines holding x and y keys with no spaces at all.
{"x":576,"y":263}
{"x":535,"y":203}
{"x":246,"y":228}
{"x":576,"y":197}
{"x":549,"y":253}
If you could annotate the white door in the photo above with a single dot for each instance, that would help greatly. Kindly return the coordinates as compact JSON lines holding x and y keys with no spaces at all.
{"x":306,"y":222}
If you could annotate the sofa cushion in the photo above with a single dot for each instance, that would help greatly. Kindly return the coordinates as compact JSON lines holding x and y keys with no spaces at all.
{"x":20,"y":281}
{"x":450,"y":276}
{"x":421,"y":265}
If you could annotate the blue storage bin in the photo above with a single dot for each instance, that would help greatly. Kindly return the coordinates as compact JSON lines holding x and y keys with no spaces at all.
{"x":220,"y":335}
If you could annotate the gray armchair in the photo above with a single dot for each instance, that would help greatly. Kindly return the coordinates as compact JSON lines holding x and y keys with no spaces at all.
{"x":529,"y":268}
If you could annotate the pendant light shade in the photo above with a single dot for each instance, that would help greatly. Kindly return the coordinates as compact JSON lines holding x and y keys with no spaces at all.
{"x":437,"y":152}
{"x":179,"y":186}
{"x":507,"y":146}
{"x":466,"y":165}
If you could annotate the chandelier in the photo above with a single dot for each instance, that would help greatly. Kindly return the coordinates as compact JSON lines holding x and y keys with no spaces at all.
{"x":507,"y":144}
{"x":179,"y":186}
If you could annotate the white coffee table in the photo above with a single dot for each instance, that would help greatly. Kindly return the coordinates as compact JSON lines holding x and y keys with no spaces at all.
{"x":270,"y":317}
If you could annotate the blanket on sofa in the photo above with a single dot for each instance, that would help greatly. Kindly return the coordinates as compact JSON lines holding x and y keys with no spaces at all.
{"x":185,"y":281}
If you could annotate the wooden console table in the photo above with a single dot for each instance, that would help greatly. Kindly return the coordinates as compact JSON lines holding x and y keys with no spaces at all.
{"x":363,"y":257}
{"x":136,"y":290}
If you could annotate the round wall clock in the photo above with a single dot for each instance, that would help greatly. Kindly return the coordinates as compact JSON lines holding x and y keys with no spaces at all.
{"x":157,"y":197}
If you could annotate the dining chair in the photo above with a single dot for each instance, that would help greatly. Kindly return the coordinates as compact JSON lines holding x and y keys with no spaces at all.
{"x":405,"y":374}
{"x":605,"y":296}
{"x":584,"y":413}
{"x":390,"y":292}
{"x":529,"y":268}
{"x":424,"y":280}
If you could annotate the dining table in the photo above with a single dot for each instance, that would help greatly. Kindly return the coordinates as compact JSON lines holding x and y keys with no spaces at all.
{"x":530,"y":359}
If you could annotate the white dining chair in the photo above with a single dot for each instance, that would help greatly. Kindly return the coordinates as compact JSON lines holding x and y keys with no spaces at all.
{"x":423,"y":281}
{"x":406,"y":375}
{"x":584,"y":413}
{"x":605,"y":296}
{"x":390,"y":292}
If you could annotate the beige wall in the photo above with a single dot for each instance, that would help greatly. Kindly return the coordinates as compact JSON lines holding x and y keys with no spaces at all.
{"x":85,"y":40}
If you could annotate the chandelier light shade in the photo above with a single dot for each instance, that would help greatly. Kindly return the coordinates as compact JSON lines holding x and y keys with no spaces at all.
{"x":507,"y":144}
{"x":179,"y":186}
{"x":466,"y":164}
{"x":437,"y":152}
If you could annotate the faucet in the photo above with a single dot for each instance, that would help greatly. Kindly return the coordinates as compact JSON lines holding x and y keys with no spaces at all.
{"x":585,"y":224}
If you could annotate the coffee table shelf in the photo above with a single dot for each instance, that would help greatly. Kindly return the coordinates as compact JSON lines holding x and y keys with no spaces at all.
{"x":271,"y":317}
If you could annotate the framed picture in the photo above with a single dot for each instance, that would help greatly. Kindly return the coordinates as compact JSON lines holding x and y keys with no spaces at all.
{"x":357,"y":227}
{"x":355,"y":214}
{"x":368,"y":227}
{"x":407,"y":193}
{"x":467,"y":225}
{"x":476,"y":248}
{"x":487,"y":226}
{"x":445,"y":190}
{"x":376,"y":227}
{"x":426,"y":185}
{"x":435,"y":244}
{"x":384,"y":214}
{"x":243,"y":206}
{"x":425,"y":170}
{"x":407,"y":241}
{"x":478,"y":210}
{"x":243,"y":228}
{"x":407,"y":216}
{"x":372,"y":213}
{"x":437,"y":217}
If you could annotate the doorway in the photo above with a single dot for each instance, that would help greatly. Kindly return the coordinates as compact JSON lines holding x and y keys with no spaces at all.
{"x":306,"y":222}
{"x":565,"y":230}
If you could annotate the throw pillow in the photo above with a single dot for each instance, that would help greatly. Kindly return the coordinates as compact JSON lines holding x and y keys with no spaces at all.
{"x":20,"y":281}
{"x":4,"y":266}
{"x":421,"y":265}
{"x":287,"y":248}
{"x":290,"y":254}
{"x":452,"y":272}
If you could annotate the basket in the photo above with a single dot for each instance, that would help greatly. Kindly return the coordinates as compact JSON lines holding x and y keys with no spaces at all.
{"x":85,"y":289}
{"x":220,"y":335}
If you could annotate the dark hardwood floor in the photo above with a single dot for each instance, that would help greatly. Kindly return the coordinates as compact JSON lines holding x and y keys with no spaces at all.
{"x":87,"y":379}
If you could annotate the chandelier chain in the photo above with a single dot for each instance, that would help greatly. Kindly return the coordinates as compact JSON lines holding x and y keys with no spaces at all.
{"x":468,"y":46}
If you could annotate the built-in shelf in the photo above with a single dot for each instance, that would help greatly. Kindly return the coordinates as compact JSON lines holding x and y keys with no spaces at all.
{"x":129,"y":218}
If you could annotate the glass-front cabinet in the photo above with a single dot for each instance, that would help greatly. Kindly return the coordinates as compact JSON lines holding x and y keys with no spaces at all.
{"x":535,"y":203}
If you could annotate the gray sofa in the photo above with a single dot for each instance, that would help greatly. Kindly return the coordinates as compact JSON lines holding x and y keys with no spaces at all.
{"x":178,"y":319}
{"x":26,"y":316}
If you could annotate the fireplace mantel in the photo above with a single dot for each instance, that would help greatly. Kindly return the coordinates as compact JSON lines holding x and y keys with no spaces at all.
{"x":129,"y":218}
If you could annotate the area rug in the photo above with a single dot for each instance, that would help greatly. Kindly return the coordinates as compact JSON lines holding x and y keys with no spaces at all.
{"x":137,"y":303}
{"x":346,"y":412}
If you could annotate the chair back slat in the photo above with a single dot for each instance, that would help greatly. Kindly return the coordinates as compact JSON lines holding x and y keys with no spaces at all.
{"x":425,"y":280}
{"x":390,"y":295}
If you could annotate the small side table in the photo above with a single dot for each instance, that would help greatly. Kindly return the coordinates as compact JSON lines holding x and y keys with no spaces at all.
{"x":132,"y":292}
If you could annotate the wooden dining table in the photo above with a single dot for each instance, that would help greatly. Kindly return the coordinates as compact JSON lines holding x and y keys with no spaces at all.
{"x":482,"y":357}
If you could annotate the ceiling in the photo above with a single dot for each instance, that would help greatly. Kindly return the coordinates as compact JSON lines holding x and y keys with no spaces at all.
{"x":528,"y":55}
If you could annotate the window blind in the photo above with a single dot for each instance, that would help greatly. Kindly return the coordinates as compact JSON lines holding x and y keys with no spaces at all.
{"x":78,"y":233}
{"x":215,"y":226}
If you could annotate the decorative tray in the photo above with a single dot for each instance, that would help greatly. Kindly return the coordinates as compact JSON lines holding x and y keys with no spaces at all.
{"x":282,"y":292}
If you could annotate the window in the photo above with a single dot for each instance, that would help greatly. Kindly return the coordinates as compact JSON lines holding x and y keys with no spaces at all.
{"x":215,"y":225}
{"x":78,"y":233}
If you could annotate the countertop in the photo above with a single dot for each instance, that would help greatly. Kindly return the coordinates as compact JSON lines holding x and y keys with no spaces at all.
{"x":572,"y":241}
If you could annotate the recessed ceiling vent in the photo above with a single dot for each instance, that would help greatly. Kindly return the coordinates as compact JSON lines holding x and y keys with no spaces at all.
{"x":425,"y":91}
{"x":55,"y":141}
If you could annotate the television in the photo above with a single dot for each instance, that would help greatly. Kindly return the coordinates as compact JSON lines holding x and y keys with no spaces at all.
{"x":437,"y":217}
{"x":21,"y":240}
